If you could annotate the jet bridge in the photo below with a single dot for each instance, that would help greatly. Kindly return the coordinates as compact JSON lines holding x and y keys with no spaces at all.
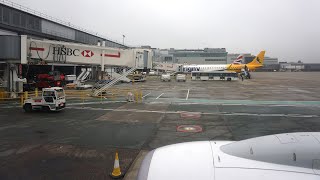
{"x":46,"y":51}
{"x":30,"y":51}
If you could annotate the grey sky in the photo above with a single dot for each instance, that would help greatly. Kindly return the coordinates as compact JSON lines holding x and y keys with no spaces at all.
{"x":287,"y":29}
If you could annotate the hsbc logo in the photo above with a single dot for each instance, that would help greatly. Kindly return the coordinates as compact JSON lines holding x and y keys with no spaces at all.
{"x":87,"y":53}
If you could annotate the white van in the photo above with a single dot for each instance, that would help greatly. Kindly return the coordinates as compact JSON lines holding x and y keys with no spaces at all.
{"x":153,"y":73}
{"x":181,"y":77}
{"x":166,"y":77}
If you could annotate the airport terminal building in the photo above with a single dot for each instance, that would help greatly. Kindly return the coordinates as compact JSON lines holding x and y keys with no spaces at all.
{"x":19,"y":20}
{"x":16,"y":20}
{"x":192,"y":56}
{"x":33,"y":43}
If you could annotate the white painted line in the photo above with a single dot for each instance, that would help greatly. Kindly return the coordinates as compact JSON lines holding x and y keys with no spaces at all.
{"x":146,"y":95}
{"x":159,"y":96}
{"x":97,"y":102}
{"x":188,"y":94}
{"x":204,"y":113}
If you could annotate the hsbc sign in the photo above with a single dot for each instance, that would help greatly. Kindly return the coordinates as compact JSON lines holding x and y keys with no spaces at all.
{"x":71,"y":52}
{"x":62,"y":50}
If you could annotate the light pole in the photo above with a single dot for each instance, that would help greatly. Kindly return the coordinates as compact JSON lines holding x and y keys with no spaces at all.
{"x":123,"y":36}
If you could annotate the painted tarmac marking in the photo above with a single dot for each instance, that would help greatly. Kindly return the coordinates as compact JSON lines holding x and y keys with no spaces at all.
{"x":182,"y":101}
{"x":146,"y":95}
{"x":244,"y":102}
{"x":205,"y":113}
{"x":106,"y":102}
{"x":159,"y":95}
{"x":188,"y":94}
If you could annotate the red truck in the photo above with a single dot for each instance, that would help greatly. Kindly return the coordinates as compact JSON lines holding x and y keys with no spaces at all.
{"x":52,"y":79}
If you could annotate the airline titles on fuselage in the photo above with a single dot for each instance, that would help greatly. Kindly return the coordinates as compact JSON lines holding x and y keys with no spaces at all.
{"x":203,"y":68}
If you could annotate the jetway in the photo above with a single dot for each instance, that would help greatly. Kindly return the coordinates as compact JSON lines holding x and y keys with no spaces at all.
{"x":29,"y":51}
{"x":167,"y":67}
{"x":35,"y":51}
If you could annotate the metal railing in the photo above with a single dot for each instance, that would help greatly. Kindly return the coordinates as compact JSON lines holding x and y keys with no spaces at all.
{"x":18,"y":96}
{"x":51,"y":18}
{"x":103,"y":87}
{"x":110,"y":94}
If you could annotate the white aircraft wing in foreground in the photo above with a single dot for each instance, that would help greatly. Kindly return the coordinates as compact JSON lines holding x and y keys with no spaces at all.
{"x":276,"y":157}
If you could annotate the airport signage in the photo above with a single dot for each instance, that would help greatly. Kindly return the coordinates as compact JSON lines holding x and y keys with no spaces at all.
{"x":40,"y":52}
{"x":62,"y":50}
{"x":87,"y":53}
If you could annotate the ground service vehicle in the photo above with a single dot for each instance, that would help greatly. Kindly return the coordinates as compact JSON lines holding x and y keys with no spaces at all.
{"x":52,"y":99}
{"x":152,"y":73}
{"x":214,"y":75}
{"x":82,"y":85}
{"x":166,"y":77}
{"x":52,"y":79}
{"x":181,"y":77}
{"x":137,"y":77}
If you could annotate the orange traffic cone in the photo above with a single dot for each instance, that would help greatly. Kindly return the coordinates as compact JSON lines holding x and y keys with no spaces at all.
{"x":116,"y":173}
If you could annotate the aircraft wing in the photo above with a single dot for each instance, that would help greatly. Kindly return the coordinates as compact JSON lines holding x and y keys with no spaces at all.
{"x":275,"y":157}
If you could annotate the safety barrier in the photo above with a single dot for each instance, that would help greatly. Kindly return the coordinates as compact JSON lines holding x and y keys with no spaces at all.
{"x":114,"y":93}
{"x":21,"y":96}
{"x":5,"y":96}
{"x":111,"y":94}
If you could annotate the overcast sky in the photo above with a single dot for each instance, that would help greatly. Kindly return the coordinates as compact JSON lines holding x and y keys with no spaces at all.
{"x":287,"y":29}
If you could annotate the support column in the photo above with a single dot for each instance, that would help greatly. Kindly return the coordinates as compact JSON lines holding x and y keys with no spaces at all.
{"x":98,"y":72}
{"x":8,"y":77}
{"x":102,"y":59}
{"x":102,"y":64}
{"x":23,"y":49}
{"x":75,"y":70}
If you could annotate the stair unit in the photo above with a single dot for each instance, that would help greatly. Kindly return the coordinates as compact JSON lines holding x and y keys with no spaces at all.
{"x":97,"y":90}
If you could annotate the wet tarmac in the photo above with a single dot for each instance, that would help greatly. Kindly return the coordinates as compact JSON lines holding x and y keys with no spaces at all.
{"x":80,"y":142}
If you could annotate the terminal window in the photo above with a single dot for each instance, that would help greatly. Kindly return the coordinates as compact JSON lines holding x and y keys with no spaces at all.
{"x":215,"y":60}
{"x":168,"y":58}
{"x":6,"y":15}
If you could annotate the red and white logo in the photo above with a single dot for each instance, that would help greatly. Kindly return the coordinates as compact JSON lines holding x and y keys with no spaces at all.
{"x":238,"y":60}
{"x":87,"y":53}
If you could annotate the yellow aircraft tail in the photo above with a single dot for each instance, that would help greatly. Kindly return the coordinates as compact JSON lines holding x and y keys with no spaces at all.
{"x":258,"y":60}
